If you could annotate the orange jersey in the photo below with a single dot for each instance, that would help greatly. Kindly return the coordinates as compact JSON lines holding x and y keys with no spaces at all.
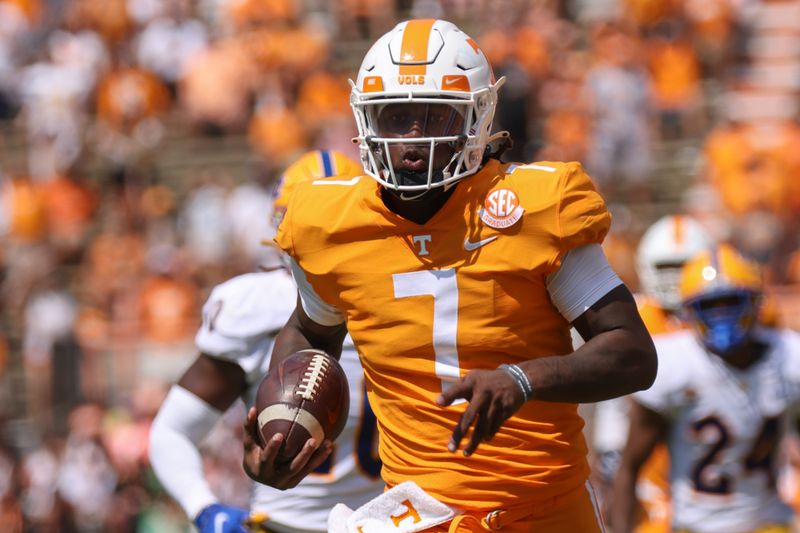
{"x":425,"y":304}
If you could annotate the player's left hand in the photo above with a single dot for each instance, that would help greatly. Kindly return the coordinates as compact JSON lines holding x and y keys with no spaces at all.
{"x":260,"y":462}
{"x":493,"y":397}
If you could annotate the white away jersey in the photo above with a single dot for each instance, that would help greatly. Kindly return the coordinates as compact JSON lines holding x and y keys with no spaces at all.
{"x":726,"y":426}
{"x":240,"y":321}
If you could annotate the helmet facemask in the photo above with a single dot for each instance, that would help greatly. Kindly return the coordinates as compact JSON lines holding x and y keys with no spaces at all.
{"x":724,"y":319}
{"x":664,"y":284}
{"x":411,"y":144}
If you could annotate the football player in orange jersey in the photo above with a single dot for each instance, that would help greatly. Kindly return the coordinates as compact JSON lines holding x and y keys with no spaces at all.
{"x":458,"y":277}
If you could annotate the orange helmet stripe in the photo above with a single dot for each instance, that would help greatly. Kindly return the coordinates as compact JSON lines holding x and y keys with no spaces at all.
{"x":678,"y":228}
{"x":414,"y":48}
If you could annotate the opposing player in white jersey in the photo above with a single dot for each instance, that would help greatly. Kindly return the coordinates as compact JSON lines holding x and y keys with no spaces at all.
{"x":722,"y":400}
{"x":240,"y":319}
{"x":663,"y":250}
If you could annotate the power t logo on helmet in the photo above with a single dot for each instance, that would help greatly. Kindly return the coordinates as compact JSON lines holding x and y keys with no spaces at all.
{"x":663,"y":250}
{"x":424,"y":101}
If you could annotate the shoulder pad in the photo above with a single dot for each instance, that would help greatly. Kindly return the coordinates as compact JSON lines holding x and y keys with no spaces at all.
{"x":250,"y":305}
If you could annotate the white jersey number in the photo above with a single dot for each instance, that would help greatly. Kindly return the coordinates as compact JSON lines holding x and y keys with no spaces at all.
{"x":442,"y":285}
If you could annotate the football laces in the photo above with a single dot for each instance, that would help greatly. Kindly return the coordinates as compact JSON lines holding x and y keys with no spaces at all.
{"x":312,"y":378}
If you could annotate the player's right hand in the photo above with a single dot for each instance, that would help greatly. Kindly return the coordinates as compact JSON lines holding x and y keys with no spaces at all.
{"x":260,"y":465}
{"x":493,"y":397}
{"x":218,"y":518}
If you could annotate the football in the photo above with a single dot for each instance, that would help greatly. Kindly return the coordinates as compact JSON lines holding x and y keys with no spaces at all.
{"x":306,"y":396}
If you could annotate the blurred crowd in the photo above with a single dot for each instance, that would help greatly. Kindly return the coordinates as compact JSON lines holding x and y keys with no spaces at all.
{"x":107,"y":255}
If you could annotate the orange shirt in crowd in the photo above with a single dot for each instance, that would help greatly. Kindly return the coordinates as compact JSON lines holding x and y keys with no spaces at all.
{"x":168,"y":309}
{"x":68,"y":206}
{"x":323,"y":96}
{"x":24,"y":201}
{"x":217,"y":84}
{"x":647,"y":12}
{"x":675,"y":73}
{"x":310,"y":49}
{"x":755,"y":166}
{"x":566,"y":132}
{"x":109,"y":17}
{"x":267,"y":47}
{"x":3,"y":354}
{"x":277,"y":133}
{"x":127,"y":96}
{"x":113,"y":260}
{"x":250,"y":13}
{"x":532,"y":52}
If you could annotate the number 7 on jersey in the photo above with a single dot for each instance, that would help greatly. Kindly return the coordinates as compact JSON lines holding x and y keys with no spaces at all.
{"x":442,"y":285}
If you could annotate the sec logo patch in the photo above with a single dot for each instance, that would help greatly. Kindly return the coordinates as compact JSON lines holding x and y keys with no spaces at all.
{"x":501,"y":209}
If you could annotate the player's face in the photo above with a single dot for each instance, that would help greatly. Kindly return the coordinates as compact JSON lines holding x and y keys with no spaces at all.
{"x":414,"y":121}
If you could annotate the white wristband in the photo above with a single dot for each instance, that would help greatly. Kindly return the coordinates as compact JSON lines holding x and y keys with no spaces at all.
{"x":520,"y":377}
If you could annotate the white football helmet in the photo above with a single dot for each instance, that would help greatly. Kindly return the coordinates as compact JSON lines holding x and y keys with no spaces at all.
{"x":429,"y":62}
{"x":664,"y":248}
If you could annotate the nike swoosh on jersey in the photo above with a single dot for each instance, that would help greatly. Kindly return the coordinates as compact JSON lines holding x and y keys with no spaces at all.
{"x":469,"y":245}
{"x":219,"y":522}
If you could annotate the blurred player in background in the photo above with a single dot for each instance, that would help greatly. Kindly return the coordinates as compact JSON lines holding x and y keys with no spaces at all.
{"x":240,"y":320}
{"x":663,"y":250}
{"x":459,"y":291}
{"x":722,"y":400}
{"x":314,"y":164}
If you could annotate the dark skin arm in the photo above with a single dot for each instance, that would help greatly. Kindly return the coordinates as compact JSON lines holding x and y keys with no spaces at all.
{"x":214,"y":381}
{"x":647,"y":428}
{"x":618,"y":358}
{"x":299,"y":333}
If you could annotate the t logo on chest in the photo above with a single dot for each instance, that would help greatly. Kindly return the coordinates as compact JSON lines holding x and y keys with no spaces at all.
{"x":422,"y":243}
